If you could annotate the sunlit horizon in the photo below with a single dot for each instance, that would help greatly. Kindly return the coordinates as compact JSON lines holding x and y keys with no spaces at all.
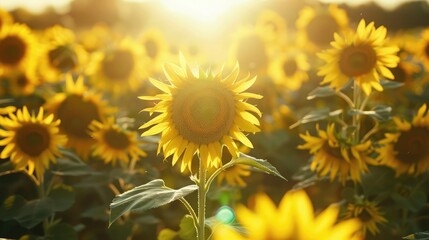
{"x":205,"y":10}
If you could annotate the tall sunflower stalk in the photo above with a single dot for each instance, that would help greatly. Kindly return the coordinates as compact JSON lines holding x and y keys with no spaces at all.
{"x":363,"y":58}
{"x":199,"y":114}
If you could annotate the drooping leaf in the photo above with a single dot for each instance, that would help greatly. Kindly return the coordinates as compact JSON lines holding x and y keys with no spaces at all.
{"x":325,"y":91}
{"x":260,"y":164}
{"x":317,"y":115}
{"x":145,"y":197}
{"x":10,"y":207}
{"x":389,"y":84}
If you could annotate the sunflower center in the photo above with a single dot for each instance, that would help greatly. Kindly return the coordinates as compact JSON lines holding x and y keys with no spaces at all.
{"x":365,"y":216}
{"x":427,"y":50}
{"x":116,"y":140}
{"x":151,"y":48}
{"x":413,"y":146}
{"x":12,"y":50}
{"x":399,"y":73}
{"x":332,"y":151}
{"x":62,"y":58}
{"x":118,"y":65}
{"x":251,"y":53}
{"x":204,"y":112}
{"x":76,"y":114}
{"x":320,"y":30}
{"x":22,"y":80}
{"x":33,"y":139}
{"x":289,"y":67}
{"x":357,"y":60}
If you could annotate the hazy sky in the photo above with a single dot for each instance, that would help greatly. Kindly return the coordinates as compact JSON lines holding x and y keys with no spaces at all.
{"x":40,"y":5}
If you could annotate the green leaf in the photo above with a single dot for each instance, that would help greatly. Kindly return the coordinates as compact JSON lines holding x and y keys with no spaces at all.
{"x":317,"y":115}
{"x":121,"y":230}
{"x":389,"y":84}
{"x":167,"y":234}
{"x":415,"y":201}
{"x":325,"y":91}
{"x":418,"y":236}
{"x":62,"y":231}
{"x":187,"y":229}
{"x":6,"y":166}
{"x":70,"y":167}
{"x":260,"y":164}
{"x":34,"y":212}
{"x":11,"y":206}
{"x":147,"y":196}
{"x":63,"y":197}
{"x":379,"y":112}
{"x":96,"y":213}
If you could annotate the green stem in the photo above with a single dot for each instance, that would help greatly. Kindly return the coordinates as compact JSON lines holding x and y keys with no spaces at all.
{"x":356,"y":117}
{"x":346,"y":98}
{"x":214,"y":175}
{"x":42,"y":194}
{"x":202,"y":200}
{"x":370,"y":132}
{"x":190,"y":210}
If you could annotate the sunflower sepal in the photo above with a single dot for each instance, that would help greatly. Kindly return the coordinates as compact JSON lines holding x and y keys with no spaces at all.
{"x":147,"y":196}
{"x":317,"y":115}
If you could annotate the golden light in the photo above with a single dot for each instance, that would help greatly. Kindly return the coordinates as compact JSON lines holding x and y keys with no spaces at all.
{"x":201,"y":10}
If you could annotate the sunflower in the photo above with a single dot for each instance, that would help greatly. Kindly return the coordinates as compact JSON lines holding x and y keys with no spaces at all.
{"x":17,"y":46}
{"x":77,"y":107}
{"x":272,"y":26}
{"x":289,"y":70}
{"x":368,"y":213}
{"x":234,"y":175}
{"x":293,"y":219}
{"x":61,"y":54}
{"x":21,"y":81}
{"x":96,"y":38}
{"x":156,"y":48}
{"x":6,"y":110}
{"x":114,"y":143}
{"x":250,"y":50}
{"x":362,"y":56}
{"x":31,"y":142}
{"x":336,"y":156}
{"x":5,"y":18}
{"x":201,"y":114}
{"x":119,"y":69}
{"x":407,"y":151}
{"x":423,"y":49}
{"x":316,"y":27}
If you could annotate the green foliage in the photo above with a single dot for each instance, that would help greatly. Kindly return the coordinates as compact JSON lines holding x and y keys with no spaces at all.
{"x":61,"y":231}
{"x":317,"y":115}
{"x":147,"y":196}
{"x":418,"y":236}
{"x":325,"y":91}
{"x":260,"y":164}
{"x":31,"y":213}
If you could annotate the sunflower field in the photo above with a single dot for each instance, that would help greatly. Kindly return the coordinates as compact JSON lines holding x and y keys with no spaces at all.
{"x":204,"y":119}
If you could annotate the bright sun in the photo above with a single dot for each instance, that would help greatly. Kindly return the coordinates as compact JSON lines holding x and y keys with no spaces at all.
{"x":201,"y":10}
